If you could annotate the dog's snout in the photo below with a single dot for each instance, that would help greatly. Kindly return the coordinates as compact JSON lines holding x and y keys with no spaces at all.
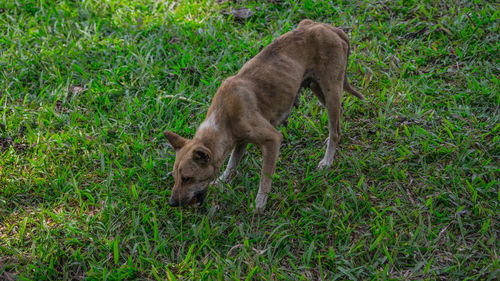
{"x":173,"y":203}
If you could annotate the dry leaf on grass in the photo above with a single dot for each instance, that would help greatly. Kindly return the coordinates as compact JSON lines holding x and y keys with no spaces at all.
{"x":76,"y":89}
{"x":240,"y":13}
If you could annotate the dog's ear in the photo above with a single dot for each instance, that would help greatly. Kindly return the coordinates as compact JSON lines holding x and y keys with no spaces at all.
{"x":202,"y":155}
{"x":175,"y":140}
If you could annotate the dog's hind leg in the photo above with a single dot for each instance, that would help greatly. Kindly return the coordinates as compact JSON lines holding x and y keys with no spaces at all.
{"x":316,"y":89}
{"x":333,"y":94}
{"x":234,"y":160}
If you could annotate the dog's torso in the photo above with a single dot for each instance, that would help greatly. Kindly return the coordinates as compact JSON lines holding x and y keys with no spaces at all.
{"x":267,"y":85}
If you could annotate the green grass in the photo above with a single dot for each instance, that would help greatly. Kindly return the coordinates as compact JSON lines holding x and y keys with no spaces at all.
{"x":88,"y":87}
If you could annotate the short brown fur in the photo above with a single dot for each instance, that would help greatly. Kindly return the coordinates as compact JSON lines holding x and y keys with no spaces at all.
{"x":247,"y":107}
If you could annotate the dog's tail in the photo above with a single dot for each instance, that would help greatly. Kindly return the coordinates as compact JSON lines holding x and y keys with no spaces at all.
{"x":348,"y":86}
{"x":351,"y":90}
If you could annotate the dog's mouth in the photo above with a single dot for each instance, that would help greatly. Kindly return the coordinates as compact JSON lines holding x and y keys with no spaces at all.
{"x":199,"y":197}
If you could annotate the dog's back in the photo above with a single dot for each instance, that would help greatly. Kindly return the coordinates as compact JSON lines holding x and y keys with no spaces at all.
{"x":296,"y":59}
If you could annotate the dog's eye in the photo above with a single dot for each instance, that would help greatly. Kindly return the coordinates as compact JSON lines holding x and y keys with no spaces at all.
{"x":185,"y":179}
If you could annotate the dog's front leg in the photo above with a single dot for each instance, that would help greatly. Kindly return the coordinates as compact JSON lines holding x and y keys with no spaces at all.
{"x":270,"y":146}
{"x":234,"y":160}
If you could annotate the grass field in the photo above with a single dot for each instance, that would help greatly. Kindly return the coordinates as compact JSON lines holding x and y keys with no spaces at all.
{"x":88,"y":87}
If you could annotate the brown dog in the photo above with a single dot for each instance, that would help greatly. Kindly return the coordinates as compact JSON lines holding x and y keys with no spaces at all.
{"x":247,"y":107}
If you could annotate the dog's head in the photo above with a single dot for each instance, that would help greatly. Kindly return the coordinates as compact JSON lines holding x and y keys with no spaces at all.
{"x":193,"y":170}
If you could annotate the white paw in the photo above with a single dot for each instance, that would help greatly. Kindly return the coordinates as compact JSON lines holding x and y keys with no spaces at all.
{"x":323,"y":164}
{"x":226,"y":177}
{"x":217,"y":181}
{"x":260,"y":202}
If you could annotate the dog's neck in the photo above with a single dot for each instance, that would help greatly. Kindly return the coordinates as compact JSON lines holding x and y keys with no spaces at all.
{"x":212,"y":134}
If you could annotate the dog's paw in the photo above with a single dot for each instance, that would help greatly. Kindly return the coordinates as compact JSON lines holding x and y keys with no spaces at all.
{"x":217,"y":181}
{"x":324,"y":164}
{"x":229,"y":175}
{"x":260,"y":203}
{"x":226,"y":177}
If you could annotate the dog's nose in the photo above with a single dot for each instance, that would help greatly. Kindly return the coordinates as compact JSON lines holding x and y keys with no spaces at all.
{"x":173,"y":203}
